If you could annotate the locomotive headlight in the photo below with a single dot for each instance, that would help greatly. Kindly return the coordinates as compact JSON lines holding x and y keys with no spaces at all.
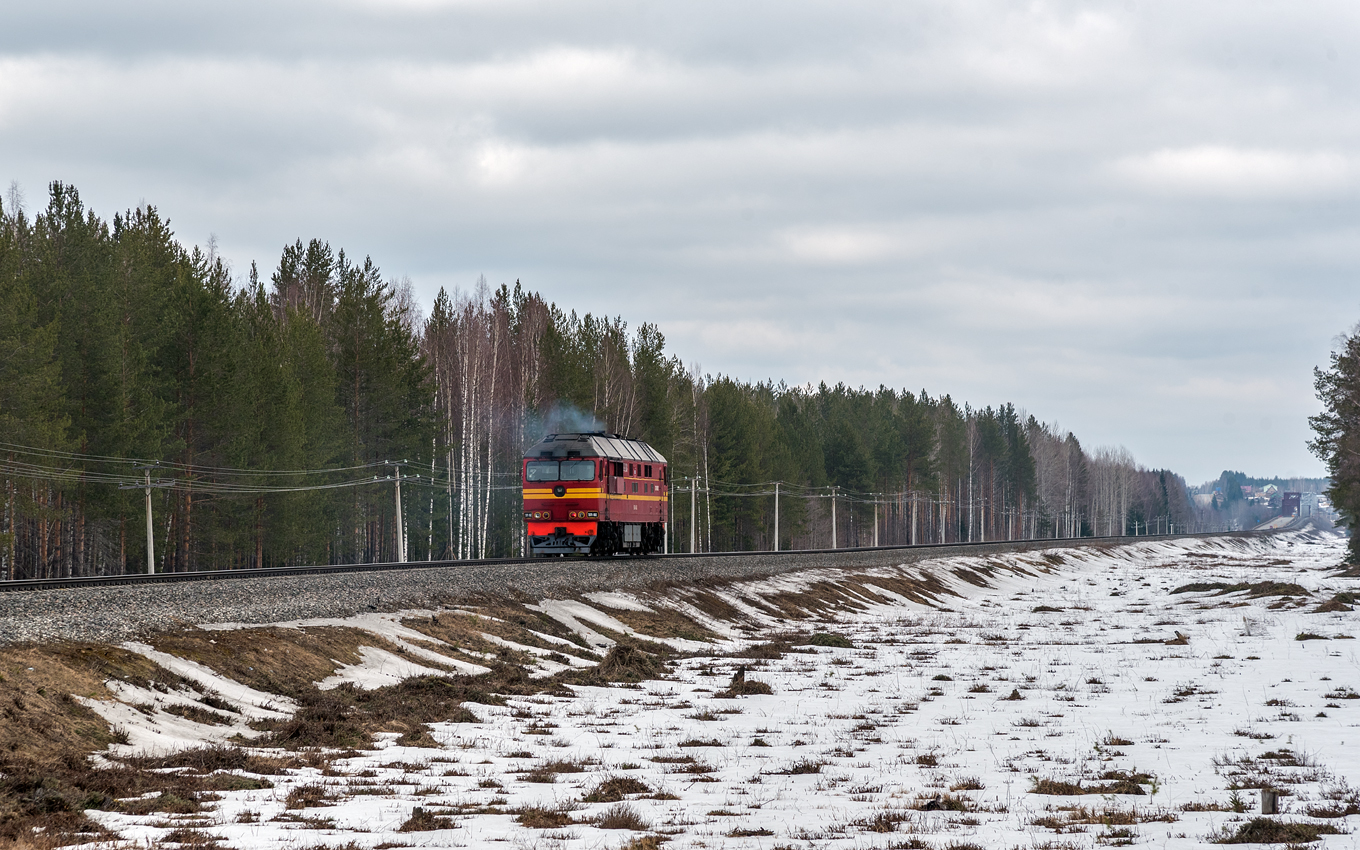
{"x":528,"y":514}
{"x":592,"y":514}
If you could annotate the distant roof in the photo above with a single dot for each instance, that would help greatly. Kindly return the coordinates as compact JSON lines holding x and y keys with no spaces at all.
{"x":595,"y":443}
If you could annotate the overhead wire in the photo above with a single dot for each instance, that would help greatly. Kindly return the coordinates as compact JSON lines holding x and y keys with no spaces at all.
{"x":174,"y":465}
{"x":206,"y":484}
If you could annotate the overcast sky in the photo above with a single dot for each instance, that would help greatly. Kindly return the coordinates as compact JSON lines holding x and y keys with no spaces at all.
{"x":1137,"y":219}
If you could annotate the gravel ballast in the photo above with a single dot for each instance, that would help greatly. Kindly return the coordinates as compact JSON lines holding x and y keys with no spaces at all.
{"x":116,"y":613}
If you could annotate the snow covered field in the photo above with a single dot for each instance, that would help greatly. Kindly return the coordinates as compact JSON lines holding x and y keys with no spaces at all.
{"x":933,"y":724}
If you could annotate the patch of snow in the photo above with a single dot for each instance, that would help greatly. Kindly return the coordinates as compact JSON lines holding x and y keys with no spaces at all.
{"x":259,"y":705}
{"x":617,"y":600}
{"x":156,"y":732}
{"x":384,"y":625}
{"x":853,"y":743}
{"x":570,"y":613}
{"x":377,"y":669}
{"x":536,"y":650}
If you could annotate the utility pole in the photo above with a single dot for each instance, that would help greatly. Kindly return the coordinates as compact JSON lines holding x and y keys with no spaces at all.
{"x":693,"y":512}
{"x":776,"y":516}
{"x":875,"y":523}
{"x":401,"y":529}
{"x":150,"y":533}
{"x":913,"y":518}
{"x":833,"y":517}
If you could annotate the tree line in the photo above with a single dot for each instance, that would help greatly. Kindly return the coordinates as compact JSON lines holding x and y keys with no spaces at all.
{"x":312,"y":414}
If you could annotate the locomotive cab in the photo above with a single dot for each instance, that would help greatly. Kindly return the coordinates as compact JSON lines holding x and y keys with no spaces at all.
{"x":594,"y":493}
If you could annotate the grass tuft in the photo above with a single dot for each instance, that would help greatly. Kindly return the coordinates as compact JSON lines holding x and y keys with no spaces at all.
{"x":831,"y":639}
{"x":622,"y":816}
{"x":615,"y":789}
{"x":802,"y":767}
{"x":424,"y":820}
{"x":1268,"y":831}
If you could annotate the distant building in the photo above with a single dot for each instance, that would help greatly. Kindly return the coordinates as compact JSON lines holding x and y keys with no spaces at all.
{"x":1204,"y":500}
{"x":1289,"y":503}
{"x":1309,"y":504}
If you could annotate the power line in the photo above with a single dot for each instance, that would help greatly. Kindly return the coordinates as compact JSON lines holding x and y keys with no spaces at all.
{"x":190,"y":468}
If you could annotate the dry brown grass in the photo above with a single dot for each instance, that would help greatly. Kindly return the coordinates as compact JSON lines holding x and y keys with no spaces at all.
{"x":1113,"y":782}
{"x":45,"y":735}
{"x":820,"y":599}
{"x":615,"y":789}
{"x":207,"y":760}
{"x":926,"y":591}
{"x":510,"y":620}
{"x":885,"y":821}
{"x":538,"y":817}
{"x":713,"y":605}
{"x":424,"y":820}
{"x":1338,"y":603}
{"x":1269,"y":831}
{"x":1119,"y":817}
{"x":622,"y":816}
{"x":629,"y":660}
{"x":419,"y":738}
{"x":774,"y":649}
{"x":744,"y":688}
{"x":280,"y":661}
{"x":662,"y":622}
{"x":463,"y":631}
{"x":348,"y":716}
{"x":52,"y":794}
{"x":38,"y":717}
{"x":309,"y":797}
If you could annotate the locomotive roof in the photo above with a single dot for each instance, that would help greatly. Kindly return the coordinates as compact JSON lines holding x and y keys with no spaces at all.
{"x":594,"y":444}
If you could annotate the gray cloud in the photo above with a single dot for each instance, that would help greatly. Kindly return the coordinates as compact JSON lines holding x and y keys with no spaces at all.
{"x":1136,"y":218}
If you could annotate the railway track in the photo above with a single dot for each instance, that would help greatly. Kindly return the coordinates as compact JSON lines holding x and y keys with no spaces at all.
{"x":795,"y":559}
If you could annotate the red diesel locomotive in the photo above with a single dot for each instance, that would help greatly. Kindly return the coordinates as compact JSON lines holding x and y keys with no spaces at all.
{"x":594,"y":494}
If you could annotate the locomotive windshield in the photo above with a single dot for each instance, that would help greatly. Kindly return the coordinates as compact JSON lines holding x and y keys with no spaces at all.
{"x":567,"y":470}
{"x":578,"y":470}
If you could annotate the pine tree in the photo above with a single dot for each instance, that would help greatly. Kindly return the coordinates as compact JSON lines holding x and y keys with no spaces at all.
{"x":382,"y":388}
{"x":1338,"y":431}
{"x":30,"y":383}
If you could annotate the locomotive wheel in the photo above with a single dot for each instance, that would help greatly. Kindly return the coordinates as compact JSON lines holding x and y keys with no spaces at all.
{"x":605,"y":540}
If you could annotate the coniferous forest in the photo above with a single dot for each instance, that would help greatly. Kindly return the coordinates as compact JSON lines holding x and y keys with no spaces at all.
{"x":311,"y":414}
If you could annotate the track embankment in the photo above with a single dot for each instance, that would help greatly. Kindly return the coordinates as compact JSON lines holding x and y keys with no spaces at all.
{"x":117,"y":612}
{"x":491,"y":702}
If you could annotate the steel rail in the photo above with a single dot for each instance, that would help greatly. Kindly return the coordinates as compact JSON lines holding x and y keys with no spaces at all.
{"x":20,"y":585}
